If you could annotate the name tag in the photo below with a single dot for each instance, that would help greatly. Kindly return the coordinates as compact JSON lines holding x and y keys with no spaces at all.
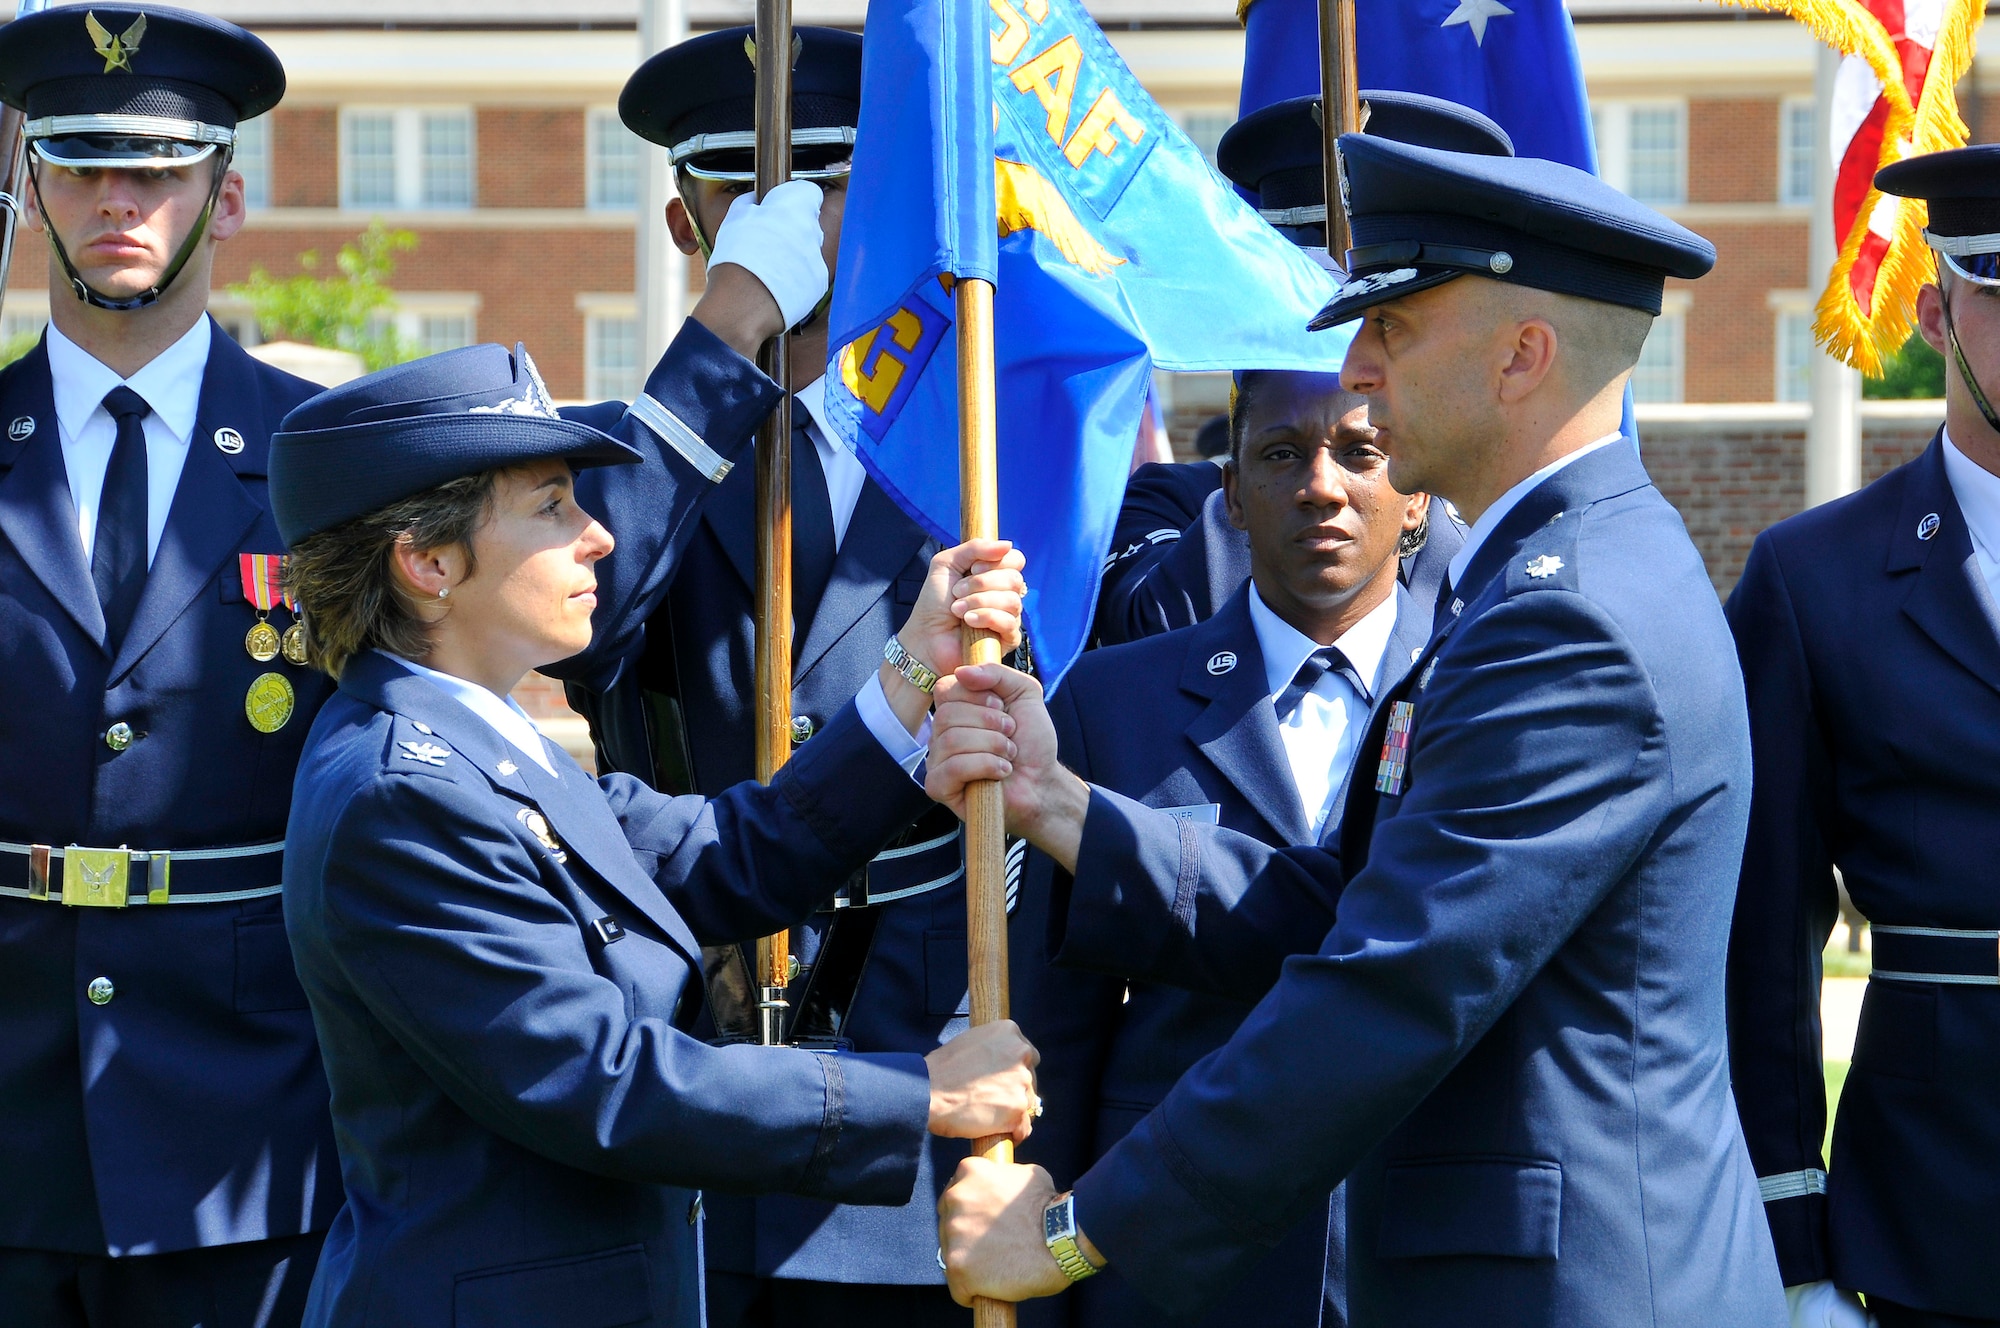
{"x":1199,"y":813}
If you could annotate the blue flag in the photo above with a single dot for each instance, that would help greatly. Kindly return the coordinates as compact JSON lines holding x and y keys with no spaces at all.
{"x":1515,"y":61}
{"x":1119,"y":250}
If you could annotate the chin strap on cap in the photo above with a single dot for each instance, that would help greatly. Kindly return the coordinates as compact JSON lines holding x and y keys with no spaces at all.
{"x":151,"y":296}
{"x":1979,"y":397}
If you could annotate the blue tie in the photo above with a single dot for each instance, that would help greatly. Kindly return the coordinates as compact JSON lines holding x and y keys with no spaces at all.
{"x":118,"y":556}
{"x":1318,"y":664}
{"x":812,"y":527}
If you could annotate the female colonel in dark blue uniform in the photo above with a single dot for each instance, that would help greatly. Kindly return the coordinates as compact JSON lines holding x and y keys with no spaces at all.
{"x":501,"y":954}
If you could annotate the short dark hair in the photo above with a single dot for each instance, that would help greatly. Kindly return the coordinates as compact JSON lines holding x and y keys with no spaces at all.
{"x":344,"y":579}
{"x":1244,"y":392}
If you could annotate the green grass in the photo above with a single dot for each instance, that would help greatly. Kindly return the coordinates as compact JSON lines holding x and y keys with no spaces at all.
{"x":1836,"y":1077}
{"x":1837,"y":961}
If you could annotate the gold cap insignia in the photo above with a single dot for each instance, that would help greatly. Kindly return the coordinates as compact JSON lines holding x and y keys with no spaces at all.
{"x":117,"y":51}
{"x":750,"y":49}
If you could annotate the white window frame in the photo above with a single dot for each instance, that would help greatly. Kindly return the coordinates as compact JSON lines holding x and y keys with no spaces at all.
{"x":1786,"y":304}
{"x":1789,"y":154}
{"x":412,"y":307}
{"x":235,"y":315}
{"x":408,"y":139}
{"x":1672,"y":322}
{"x":598,"y":121}
{"x":595,"y":307}
{"x":1611,"y":122}
{"x":257,"y":157}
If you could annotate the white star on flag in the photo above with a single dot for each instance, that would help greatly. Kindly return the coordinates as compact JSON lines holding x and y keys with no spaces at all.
{"x":1476,"y":13}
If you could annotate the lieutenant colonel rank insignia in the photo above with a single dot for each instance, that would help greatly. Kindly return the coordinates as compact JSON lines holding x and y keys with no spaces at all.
{"x":1544,"y":567}
{"x":117,"y":51}
{"x":424,"y":753}
{"x":1395,"y":762}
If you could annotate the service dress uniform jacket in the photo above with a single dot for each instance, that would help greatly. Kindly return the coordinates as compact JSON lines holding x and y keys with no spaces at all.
{"x":1871,"y":651}
{"x":669,"y":687}
{"x":158,"y":1074}
{"x":1511,"y":1041}
{"x":504,"y":965}
{"x":1182,"y":722}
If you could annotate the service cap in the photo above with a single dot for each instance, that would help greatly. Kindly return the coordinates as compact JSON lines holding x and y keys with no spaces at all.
{"x":407,"y":429}
{"x":698,"y":99}
{"x":124,"y":85}
{"x":1962,"y":187}
{"x":1421,"y":217}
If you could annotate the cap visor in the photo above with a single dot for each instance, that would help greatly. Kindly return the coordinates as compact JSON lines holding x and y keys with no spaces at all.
{"x":104,"y":152}
{"x":1360,"y":294}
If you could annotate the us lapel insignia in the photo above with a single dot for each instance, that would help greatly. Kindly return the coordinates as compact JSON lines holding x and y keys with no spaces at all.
{"x":1395,"y":762}
{"x":228,"y":441}
{"x":538,"y":826}
{"x":424,"y":753}
{"x":1424,"y":679}
{"x":1926,"y":528}
{"x":1544,"y":567}
{"x":1221,"y":662}
{"x":22,"y":428}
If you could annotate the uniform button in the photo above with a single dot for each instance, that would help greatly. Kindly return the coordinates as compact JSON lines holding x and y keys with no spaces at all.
{"x":100,"y":991}
{"x":118,"y":737}
{"x":802,"y":728}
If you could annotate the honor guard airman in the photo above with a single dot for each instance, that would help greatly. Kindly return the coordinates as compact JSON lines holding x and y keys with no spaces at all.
{"x":1510,"y":1036}
{"x":167,"y":1157}
{"x":1870,"y":643}
{"x":669,"y":687}
{"x":1175,"y":556}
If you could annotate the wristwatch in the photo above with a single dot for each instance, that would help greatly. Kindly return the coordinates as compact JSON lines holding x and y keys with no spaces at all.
{"x":917,"y":673}
{"x":1059,"y":1230}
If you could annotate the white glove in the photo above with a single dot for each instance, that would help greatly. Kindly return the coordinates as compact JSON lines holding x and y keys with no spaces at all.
{"x":1824,"y":1305}
{"x":778,"y":242}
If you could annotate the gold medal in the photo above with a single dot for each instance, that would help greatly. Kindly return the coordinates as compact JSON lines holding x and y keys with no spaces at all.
{"x":294,"y":644}
{"x":262,"y":642}
{"x":269,"y":701}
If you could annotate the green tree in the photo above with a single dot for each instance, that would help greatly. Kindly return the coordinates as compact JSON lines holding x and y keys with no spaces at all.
{"x":346,"y":311}
{"x":1914,"y":371}
{"x":14,"y":347}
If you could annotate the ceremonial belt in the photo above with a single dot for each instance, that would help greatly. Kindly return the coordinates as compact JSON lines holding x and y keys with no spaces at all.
{"x":121,"y":877}
{"x":1936,"y":954}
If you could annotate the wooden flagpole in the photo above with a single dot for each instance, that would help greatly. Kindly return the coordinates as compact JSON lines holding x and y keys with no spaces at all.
{"x":774,"y":494}
{"x":1340,"y":111}
{"x":985,"y":816}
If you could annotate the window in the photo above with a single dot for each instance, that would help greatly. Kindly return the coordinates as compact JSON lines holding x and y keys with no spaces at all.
{"x":1206,"y":128}
{"x":253,"y":160}
{"x":406,"y":158}
{"x":440,"y":332}
{"x":427,"y":322}
{"x":1660,"y":371}
{"x":611,"y":357}
{"x":1642,"y":149}
{"x":1796,"y":148}
{"x":1794,"y":355}
{"x":612,"y":168}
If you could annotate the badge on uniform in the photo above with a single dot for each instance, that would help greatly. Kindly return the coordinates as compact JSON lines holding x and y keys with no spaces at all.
{"x":269,"y":702}
{"x":1395,"y":762}
{"x":264,"y":586}
{"x":538,"y":826}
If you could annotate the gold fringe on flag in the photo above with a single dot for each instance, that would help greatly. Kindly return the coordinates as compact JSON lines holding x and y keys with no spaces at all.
{"x":1867,"y":339}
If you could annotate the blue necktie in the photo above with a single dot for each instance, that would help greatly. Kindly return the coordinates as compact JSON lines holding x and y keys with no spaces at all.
{"x":1318,"y":664}
{"x":812,"y":527}
{"x":118,"y":555}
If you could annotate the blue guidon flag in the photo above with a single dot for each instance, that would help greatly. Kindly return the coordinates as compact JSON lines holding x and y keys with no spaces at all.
{"x":1017,"y":146}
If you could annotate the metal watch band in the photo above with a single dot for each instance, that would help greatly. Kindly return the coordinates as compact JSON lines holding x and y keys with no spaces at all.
{"x":917,"y":673}
{"x":1059,"y":1231}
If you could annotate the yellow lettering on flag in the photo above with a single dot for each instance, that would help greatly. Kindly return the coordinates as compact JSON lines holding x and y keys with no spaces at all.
{"x":1094,"y":134}
{"x":1007,"y":42}
{"x":874,"y":389}
{"x":1051,"y":76}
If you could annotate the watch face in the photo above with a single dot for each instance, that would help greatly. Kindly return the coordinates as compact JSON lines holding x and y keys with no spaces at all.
{"x":1055,"y":1222}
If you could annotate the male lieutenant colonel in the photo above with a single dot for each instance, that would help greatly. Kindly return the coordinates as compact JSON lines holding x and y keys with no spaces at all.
{"x":167,"y":1157}
{"x":1251,"y":719}
{"x":669,"y":683}
{"x":1511,"y":1038}
{"x":1870,"y":644}
{"x":1175,"y":556}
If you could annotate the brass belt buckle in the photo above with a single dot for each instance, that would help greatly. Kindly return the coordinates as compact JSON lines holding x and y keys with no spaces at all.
{"x":96,"y":877}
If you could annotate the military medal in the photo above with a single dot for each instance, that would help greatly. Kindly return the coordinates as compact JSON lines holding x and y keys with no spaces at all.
{"x":269,"y":701}
{"x":294,"y":641}
{"x":264,"y":586}
{"x":1395,"y":762}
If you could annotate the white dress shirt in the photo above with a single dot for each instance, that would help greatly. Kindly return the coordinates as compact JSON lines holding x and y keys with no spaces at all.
{"x":1320,"y":736}
{"x":844,"y":472}
{"x":503,"y":714}
{"x":1497,"y":513}
{"x":170,"y":384}
{"x":1978,"y":492}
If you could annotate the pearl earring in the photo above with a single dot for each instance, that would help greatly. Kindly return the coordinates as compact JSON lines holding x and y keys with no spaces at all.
{"x":445,"y":593}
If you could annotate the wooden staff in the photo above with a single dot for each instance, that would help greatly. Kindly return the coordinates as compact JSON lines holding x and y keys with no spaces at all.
{"x":985,"y":815}
{"x":1340,"y":113}
{"x":13,"y":165}
{"x":774,"y":494}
